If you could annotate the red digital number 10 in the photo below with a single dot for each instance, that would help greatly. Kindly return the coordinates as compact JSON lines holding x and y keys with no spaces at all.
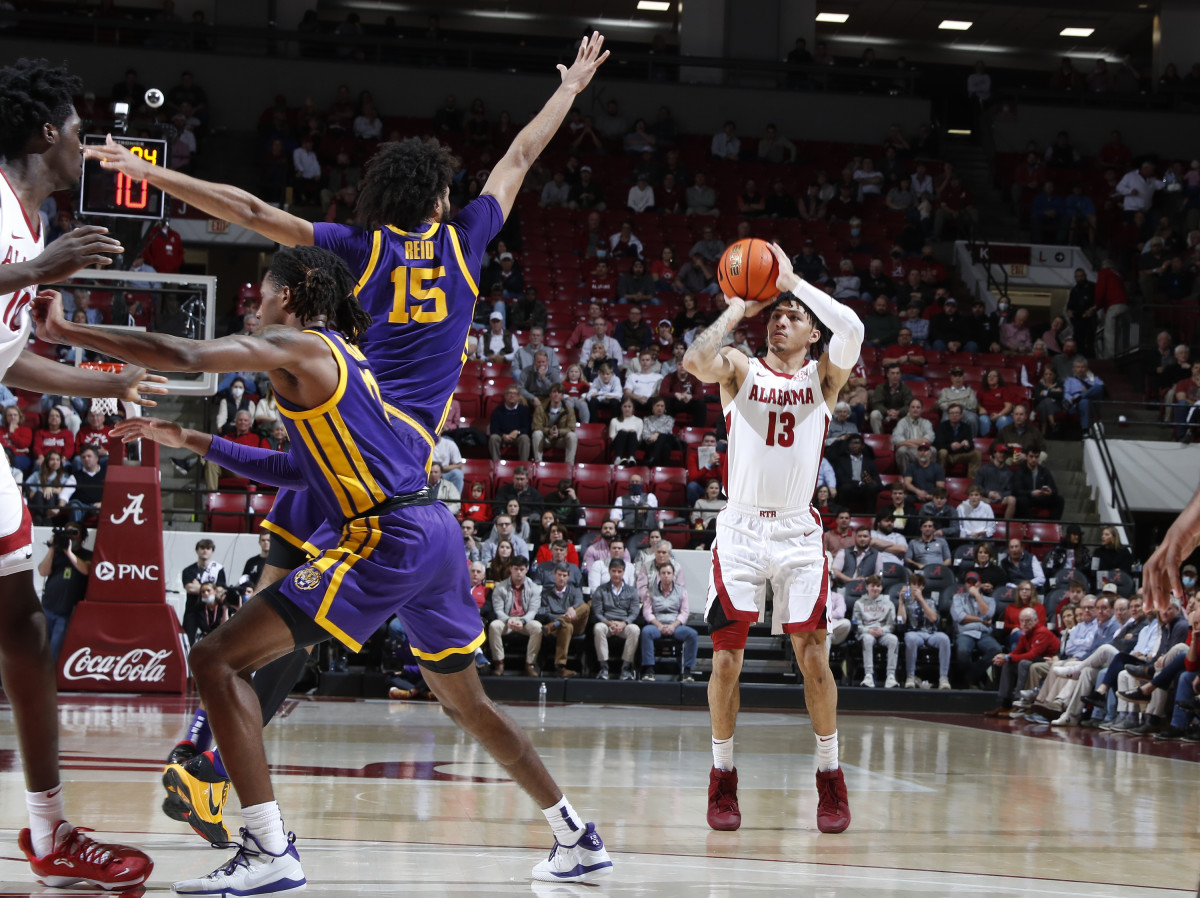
{"x":125,"y":185}
{"x":125,"y":189}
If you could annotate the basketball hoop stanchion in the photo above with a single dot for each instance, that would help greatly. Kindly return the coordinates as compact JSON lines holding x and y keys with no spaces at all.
{"x":124,"y":637}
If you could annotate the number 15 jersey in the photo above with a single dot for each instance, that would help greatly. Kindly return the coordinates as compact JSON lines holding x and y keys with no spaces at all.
{"x":777,"y":424}
{"x":419,"y":287}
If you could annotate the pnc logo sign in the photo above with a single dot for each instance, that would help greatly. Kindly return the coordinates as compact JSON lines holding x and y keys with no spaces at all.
{"x":107,"y":571}
{"x":132,"y":511}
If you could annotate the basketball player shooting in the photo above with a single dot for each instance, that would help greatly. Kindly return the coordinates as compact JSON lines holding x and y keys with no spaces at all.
{"x":777,"y":410}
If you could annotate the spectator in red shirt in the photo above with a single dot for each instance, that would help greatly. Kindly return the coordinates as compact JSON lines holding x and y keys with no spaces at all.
{"x":682,"y":392}
{"x":1112,"y":302}
{"x":907,"y":355}
{"x":477,"y":507}
{"x":243,"y":433}
{"x":18,"y":438}
{"x":955,"y":206}
{"x":584,"y":329}
{"x":1027,"y":181}
{"x":53,"y":436}
{"x":601,"y":284}
{"x":699,"y":473}
{"x":664,"y":269}
{"x":94,"y":433}
{"x":996,"y":400}
{"x":165,"y":252}
{"x":1036,"y":643}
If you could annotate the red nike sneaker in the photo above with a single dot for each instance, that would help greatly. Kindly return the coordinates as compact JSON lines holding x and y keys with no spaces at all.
{"x":833,"y":807}
{"x":723,"y":810}
{"x":77,"y":858}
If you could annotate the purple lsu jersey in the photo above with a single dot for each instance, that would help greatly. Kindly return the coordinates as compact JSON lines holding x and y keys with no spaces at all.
{"x":350,"y":452}
{"x":403,"y":561}
{"x":420,"y":289}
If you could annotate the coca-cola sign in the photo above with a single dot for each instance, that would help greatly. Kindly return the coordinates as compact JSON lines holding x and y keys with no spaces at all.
{"x":134,"y":666}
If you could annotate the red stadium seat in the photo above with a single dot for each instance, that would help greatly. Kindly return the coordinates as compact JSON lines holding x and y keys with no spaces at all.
{"x":546,"y":474}
{"x":502,"y":472}
{"x":957,"y":488}
{"x":260,"y":507}
{"x":470,"y":405}
{"x":477,"y":469}
{"x":1045,"y":532}
{"x":226,"y":512}
{"x":593,"y":484}
{"x":671,"y":493}
{"x":594,"y":517}
{"x":593,"y":444}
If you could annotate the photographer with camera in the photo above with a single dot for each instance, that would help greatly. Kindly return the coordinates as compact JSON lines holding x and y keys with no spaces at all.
{"x":65,"y":569}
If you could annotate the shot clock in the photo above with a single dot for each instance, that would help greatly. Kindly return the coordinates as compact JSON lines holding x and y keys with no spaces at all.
{"x":111,"y":193}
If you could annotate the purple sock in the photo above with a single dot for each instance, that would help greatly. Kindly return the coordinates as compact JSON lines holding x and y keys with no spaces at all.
{"x":215,"y":757}
{"x":199,"y":733}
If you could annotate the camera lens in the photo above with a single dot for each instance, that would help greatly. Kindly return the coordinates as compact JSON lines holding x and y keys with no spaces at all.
{"x":154,"y":98}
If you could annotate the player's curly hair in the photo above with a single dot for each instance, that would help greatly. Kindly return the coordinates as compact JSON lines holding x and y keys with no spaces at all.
{"x":321,"y":284}
{"x":33,"y":92}
{"x":403,"y":182}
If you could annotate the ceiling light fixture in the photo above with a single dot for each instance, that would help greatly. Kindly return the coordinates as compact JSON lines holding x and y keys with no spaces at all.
{"x":953,"y":25}
{"x":653,"y":5}
{"x":1077,"y":32}
{"x":836,"y":18}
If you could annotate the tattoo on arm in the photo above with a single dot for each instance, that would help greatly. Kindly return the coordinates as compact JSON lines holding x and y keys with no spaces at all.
{"x":709,"y":340}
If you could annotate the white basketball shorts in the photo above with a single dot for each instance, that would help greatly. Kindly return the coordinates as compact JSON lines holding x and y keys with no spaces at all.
{"x":754,"y":547}
{"x":16,"y":527}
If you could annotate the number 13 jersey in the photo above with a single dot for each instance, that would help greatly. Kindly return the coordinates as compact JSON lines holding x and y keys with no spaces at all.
{"x":777,"y":424}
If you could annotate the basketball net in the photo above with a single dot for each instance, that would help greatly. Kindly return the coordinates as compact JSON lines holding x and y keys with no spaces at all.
{"x":109,"y":405}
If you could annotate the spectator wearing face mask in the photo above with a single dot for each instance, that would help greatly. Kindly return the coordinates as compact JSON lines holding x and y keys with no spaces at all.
{"x":234,"y":400}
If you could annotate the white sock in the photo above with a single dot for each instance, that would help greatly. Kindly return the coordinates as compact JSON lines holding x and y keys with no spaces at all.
{"x":45,"y":813}
{"x":566,"y":823}
{"x":723,"y":753}
{"x":827,"y":751}
{"x":265,"y":823}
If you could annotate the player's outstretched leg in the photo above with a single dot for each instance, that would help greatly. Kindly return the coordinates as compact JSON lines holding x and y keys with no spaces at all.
{"x":186,"y":779}
{"x":266,"y":861}
{"x":820,"y":696}
{"x":578,"y":854}
{"x":59,"y":853}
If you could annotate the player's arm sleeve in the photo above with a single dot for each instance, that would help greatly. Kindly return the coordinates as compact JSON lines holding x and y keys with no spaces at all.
{"x":261,"y":465}
{"x":477,"y":225}
{"x":847,"y":332}
{"x":352,"y":245}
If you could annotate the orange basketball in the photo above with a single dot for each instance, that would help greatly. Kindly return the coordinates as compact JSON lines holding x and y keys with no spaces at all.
{"x":749,"y":269}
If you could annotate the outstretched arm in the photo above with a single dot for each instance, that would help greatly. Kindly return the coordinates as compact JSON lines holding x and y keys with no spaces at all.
{"x":847,"y":331}
{"x":267,"y":350}
{"x":33,"y":372}
{"x":222,"y":201}
{"x":505,"y":180}
{"x":261,"y":465}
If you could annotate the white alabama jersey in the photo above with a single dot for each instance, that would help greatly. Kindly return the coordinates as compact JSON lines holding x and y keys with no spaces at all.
{"x":19,"y":242}
{"x":777,"y":424}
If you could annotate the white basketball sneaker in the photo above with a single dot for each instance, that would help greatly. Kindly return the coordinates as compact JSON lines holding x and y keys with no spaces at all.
{"x":585,"y":861}
{"x":252,"y":871}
